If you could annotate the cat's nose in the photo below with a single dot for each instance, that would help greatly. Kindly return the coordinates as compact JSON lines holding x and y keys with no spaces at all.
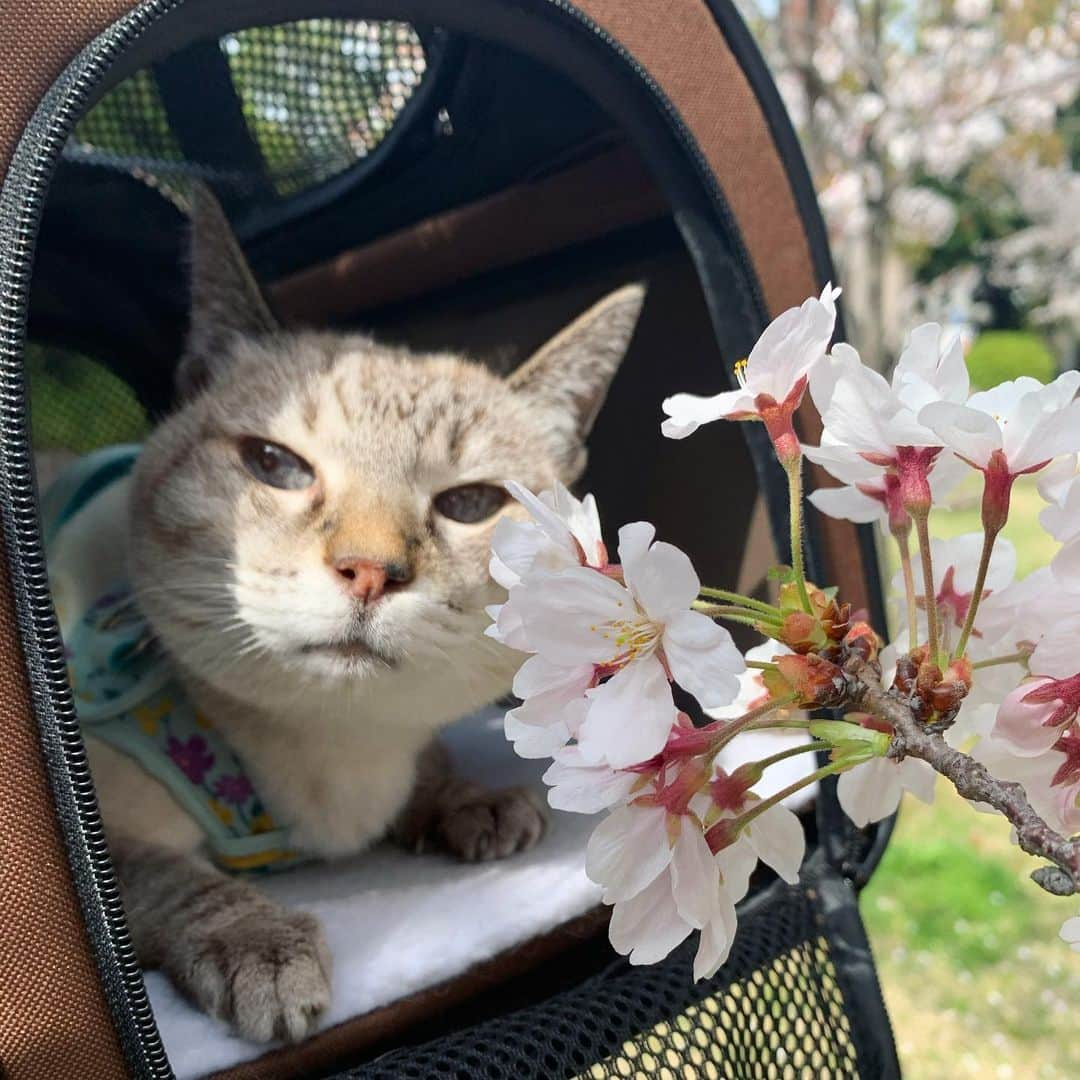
{"x":367,"y":579}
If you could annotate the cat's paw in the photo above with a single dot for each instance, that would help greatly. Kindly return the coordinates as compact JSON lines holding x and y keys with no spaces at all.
{"x":266,"y":974}
{"x":493,"y":824}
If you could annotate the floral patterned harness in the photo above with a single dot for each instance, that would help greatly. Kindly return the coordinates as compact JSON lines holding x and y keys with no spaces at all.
{"x":125,"y":691}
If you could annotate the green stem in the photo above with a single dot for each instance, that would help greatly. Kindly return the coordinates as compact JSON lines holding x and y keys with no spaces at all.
{"x":740,"y":600}
{"x":909,"y":587}
{"x":759,"y":808}
{"x":725,"y":735}
{"x":732,"y":614}
{"x":794,"y":475}
{"x":803,"y":748}
{"x":761,"y":665}
{"x":929,"y":591}
{"x":768,"y":725}
{"x":989,"y":536}
{"x":1012,"y":658}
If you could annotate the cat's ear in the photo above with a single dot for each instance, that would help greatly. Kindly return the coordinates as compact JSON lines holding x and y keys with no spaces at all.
{"x":226,"y":301}
{"x":574,"y":369}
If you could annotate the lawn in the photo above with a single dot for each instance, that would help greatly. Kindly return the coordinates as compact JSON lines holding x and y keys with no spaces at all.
{"x":975,"y":978}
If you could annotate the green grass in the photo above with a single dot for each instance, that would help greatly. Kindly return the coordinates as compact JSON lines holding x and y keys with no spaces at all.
{"x":975,"y":978}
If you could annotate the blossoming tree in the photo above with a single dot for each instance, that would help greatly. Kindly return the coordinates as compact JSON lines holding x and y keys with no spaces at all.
{"x":895,"y":102}
{"x":982,"y":686}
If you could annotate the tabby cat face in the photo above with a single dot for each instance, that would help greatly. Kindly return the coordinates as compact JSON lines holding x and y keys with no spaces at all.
{"x":327,"y":501}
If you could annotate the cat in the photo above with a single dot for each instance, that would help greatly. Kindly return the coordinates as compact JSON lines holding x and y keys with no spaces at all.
{"x":307,"y":536}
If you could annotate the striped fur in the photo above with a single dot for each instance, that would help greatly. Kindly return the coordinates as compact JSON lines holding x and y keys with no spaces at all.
{"x":237,"y":580}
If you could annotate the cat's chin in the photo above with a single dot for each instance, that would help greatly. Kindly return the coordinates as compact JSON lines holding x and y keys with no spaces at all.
{"x":345,"y":659}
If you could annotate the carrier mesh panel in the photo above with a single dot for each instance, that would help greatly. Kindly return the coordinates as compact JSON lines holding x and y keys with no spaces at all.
{"x":77,"y":404}
{"x":777,"y":1009}
{"x":317,"y":96}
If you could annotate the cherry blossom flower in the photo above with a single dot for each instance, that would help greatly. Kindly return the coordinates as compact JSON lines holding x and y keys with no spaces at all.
{"x":564,"y":531}
{"x":1038,"y":711}
{"x":871,"y":416}
{"x":871,"y":493}
{"x":1015,"y":428}
{"x":872,"y":791}
{"x":870,"y":422}
{"x":634,"y":635}
{"x":772,"y":380}
{"x":657,"y":870}
{"x":1056,"y":480}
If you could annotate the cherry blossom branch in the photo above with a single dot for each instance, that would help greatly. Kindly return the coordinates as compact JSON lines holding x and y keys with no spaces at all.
{"x":971,"y":779}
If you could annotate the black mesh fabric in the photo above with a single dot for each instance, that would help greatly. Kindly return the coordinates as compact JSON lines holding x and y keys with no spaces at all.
{"x":785,"y":1005}
{"x":316,"y":95}
{"x":77,"y":404}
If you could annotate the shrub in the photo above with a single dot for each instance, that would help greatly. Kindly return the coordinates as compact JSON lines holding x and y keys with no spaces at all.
{"x":1000,"y":355}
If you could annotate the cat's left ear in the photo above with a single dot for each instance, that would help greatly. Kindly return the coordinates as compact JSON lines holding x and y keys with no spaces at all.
{"x":574,"y":369}
{"x":226,"y":301}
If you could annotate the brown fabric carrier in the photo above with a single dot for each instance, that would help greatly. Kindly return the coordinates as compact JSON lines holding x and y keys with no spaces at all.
{"x":54,"y":1021}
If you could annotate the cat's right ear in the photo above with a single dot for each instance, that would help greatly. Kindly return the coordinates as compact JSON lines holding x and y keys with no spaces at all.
{"x":573,"y":370}
{"x":226,"y":301}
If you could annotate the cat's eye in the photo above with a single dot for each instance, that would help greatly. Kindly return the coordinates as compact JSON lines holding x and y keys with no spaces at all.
{"x":471,"y":503}
{"x":276,"y":465}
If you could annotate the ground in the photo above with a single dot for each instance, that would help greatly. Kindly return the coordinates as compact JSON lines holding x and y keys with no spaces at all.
{"x":975,"y":978}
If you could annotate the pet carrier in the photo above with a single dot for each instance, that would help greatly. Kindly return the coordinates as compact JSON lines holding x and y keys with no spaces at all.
{"x":453,"y":175}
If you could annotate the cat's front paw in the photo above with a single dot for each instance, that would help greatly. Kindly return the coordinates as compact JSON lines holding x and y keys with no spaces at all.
{"x":266,"y":974}
{"x":493,"y":824}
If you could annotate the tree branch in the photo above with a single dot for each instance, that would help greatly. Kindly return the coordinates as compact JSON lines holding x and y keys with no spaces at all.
{"x":971,"y":779}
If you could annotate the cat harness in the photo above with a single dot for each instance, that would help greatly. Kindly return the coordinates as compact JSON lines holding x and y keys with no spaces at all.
{"x":126,"y":693}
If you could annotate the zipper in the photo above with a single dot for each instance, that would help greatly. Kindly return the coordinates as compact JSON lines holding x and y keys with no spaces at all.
{"x":70,"y":779}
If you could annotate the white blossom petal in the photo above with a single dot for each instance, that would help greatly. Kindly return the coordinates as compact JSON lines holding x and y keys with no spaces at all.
{"x":848,"y":503}
{"x":648,"y":926}
{"x":716,"y":939}
{"x":779,"y":840}
{"x":630,"y":716}
{"x":703,"y":658}
{"x":627,"y":851}
{"x":582,"y":788}
{"x":663,"y":580}
{"x":694,"y":874}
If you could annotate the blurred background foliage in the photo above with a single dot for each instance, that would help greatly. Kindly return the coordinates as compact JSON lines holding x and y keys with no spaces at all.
{"x":944,"y":140}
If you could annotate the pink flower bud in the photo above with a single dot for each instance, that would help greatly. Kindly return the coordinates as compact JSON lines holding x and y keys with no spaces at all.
{"x":913,"y":464}
{"x":997,"y":491}
{"x":1032,"y":716}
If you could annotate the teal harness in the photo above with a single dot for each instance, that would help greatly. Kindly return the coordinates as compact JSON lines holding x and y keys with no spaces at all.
{"x":126,"y":693}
